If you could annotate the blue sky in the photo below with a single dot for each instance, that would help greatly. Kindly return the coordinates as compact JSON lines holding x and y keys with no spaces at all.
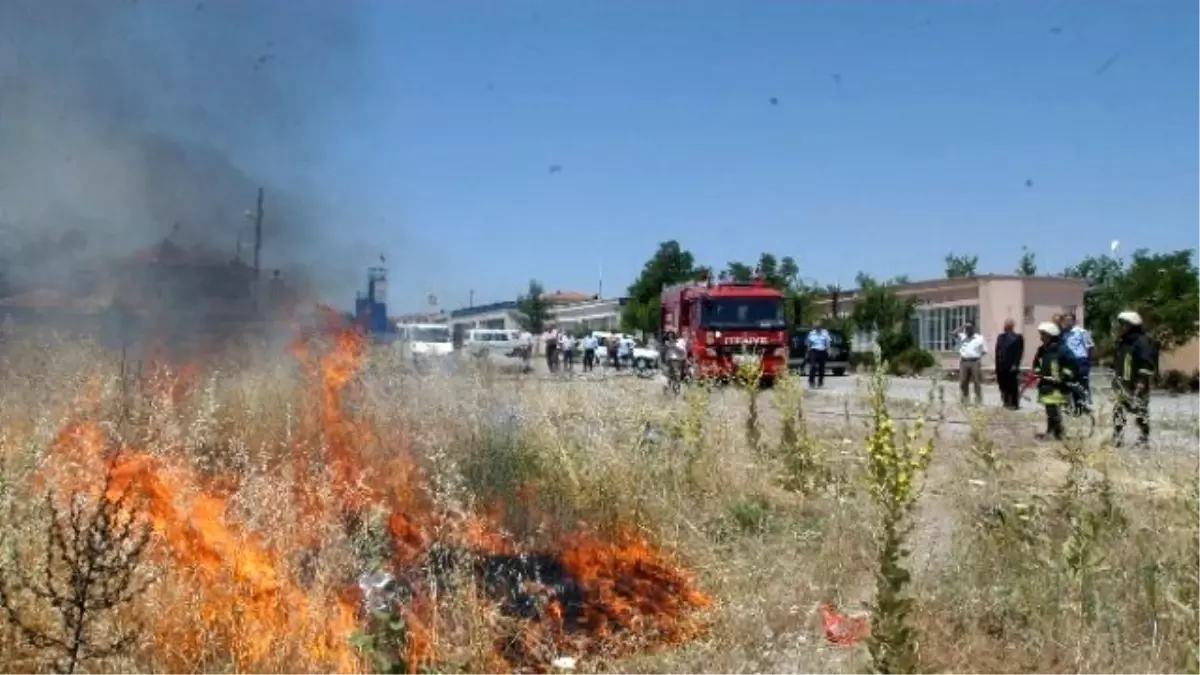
{"x":903,"y":130}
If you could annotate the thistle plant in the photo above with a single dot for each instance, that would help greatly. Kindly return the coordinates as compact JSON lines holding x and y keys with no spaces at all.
{"x":799,"y":451}
{"x":1087,"y":503}
{"x":1187,"y":602}
{"x":896,"y":464}
{"x":692,"y":432}
{"x":751,"y":375}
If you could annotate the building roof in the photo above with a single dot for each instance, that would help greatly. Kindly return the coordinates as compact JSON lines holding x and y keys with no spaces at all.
{"x":439,"y":316}
{"x":933,"y":284}
{"x":564,"y":301}
{"x":490,"y":308}
{"x":569,"y":297}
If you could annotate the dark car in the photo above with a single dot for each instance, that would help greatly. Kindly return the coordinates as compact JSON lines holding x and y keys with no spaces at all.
{"x":839,"y":352}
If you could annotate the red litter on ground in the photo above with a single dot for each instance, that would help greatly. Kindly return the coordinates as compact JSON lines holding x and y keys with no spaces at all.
{"x":844,"y":630}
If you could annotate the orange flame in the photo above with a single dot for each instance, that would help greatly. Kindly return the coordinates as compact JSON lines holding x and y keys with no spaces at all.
{"x":245,"y":597}
{"x":611,"y":596}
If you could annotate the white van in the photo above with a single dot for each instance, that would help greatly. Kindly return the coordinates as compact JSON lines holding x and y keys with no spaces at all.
{"x":424,"y":340}
{"x":493,"y":343}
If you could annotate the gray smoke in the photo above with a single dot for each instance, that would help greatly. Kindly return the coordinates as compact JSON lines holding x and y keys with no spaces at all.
{"x":120,"y":119}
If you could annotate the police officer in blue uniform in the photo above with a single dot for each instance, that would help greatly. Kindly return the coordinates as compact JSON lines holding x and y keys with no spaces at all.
{"x":817,"y":342}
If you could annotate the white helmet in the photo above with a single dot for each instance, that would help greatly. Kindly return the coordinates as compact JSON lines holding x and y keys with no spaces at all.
{"x":1130,"y":317}
{"x":1049,"y":328}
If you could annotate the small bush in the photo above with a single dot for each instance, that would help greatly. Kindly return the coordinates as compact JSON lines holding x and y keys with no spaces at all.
{"x":911,"y":361}
{"x":862,"y":360}
{"x":1194,"y":381}
{"x":893,"y":344}
{"x":1174,"y":381}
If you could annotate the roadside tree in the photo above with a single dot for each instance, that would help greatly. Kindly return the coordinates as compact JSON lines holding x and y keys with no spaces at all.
{"x":533,"y":308}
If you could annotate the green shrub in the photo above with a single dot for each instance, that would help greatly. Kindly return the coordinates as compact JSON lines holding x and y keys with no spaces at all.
{"x":911,"y":361}
{"x":1174,"y":381}
{"x":893,"y":343}
{"x":862,"y":360}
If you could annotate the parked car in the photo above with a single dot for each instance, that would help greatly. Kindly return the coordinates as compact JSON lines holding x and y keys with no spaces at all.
{"x":643,"y":357}
{"x":839,"y":352}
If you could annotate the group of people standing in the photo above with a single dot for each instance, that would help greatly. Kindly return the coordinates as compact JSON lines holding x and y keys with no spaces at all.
{"x":1010,"y":349}
{"x":1062,"y":365}
{"x":562,"y":349}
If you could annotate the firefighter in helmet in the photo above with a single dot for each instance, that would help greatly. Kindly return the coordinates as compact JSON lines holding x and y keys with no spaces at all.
{"x":1133,"y":366}
{"x":1054,"y":365}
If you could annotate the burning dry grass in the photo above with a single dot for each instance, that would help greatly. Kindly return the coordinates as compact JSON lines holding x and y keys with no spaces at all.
{"x":327,"y":511}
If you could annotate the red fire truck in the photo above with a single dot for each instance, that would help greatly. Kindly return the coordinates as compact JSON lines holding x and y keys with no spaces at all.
{"x":726,"y":324}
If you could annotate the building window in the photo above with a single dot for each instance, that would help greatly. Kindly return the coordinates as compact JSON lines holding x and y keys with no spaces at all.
{"x":1028,"y":313}
{"x":933,"y":328}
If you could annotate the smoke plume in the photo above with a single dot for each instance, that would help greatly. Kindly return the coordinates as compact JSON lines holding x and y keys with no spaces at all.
{"x":123,"y":120}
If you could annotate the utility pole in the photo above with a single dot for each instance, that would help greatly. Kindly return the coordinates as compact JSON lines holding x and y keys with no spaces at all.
{"x":258,"y":218}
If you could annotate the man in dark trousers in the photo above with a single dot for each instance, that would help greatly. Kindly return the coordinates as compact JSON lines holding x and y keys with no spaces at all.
{"x":817,"y":341}
{"x":1133,"y":366}
{"x":1010,"y":347}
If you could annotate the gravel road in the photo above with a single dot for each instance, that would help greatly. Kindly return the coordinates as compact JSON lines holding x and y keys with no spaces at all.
{"x":1174,"y":419}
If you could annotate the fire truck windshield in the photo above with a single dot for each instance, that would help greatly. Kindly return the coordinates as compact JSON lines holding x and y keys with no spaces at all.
{"x":746,"y":313}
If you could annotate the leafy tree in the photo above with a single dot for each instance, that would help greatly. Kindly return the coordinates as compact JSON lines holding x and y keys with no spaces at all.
{"x":1027,"y":266}
{"x":533,"y":308}
{"x":800,"y":304}
{"x":878,"y":309}
{"x":781,"y":273}
{"x":961,"y":265}
{"x":1165,"y":289}
{"x":1160,"y":287}
{"x":739,"y":272}
{"x":1103,"y":299}
{"x":671,"y":264}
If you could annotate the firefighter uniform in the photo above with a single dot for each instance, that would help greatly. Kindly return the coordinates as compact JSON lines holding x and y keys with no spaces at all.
{"x":1133,"y":366}
{"x":1054,"y":365}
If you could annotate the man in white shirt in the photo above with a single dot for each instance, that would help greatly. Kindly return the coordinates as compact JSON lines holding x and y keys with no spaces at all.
{"x":971,"y":350}
{"x":590,"y":343}
{"x":625,"y":350}
{"x":526,"y":341}
{"x":550,"y":342}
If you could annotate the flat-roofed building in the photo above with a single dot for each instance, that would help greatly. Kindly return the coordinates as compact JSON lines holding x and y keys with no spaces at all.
{"x":440,"y":316}
{"x":573,"y":312}
{"x":943,"y":305}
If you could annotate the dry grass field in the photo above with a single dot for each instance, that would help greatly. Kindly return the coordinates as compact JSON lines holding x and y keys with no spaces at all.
{"x":325,"y":509}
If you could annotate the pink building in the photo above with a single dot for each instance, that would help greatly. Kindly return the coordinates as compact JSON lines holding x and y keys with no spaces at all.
{"x":945,"y":304}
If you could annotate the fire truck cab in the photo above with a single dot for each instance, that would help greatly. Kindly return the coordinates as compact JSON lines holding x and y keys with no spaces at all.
{"x":727,"y":324}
